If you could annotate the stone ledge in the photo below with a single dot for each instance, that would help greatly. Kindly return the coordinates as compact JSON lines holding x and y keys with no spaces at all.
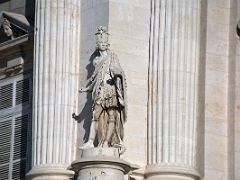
{"x":158,"y":170}
{"x":102,"y":161}
{"x":93,"y":152}
{"x":43,"y":173}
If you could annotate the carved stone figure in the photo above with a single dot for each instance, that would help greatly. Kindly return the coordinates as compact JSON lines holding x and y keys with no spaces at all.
{"x":5,"y":24}
{"x":108,"y":86}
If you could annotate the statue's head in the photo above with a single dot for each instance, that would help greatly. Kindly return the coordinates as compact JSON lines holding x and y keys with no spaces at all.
{"x":5,"y":24}
{"x":102,"y":38}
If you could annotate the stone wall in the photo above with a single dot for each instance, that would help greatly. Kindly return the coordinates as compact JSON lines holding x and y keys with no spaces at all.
{"x":219,"y":90}
{"x":129,"y":25}
{"x":237,"y":103}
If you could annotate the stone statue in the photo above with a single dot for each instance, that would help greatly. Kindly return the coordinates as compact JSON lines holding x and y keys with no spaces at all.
{"x":108,"y":86}
{"x":5,"y":24}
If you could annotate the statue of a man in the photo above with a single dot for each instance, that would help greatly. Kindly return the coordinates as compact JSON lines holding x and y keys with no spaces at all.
{"x":107,"y":85}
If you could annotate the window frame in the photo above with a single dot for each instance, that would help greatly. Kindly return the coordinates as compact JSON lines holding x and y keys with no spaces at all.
{"x":14,"y":112}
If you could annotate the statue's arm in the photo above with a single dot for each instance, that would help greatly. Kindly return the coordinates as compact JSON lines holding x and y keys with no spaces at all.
{"x":89,"y":86}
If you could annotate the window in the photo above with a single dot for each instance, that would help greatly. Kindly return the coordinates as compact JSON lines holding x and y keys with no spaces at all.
{"x":15,"y":127}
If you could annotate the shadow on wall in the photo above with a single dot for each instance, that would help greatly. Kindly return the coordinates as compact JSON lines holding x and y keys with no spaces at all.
{"x":30,"y":11}
{"x":86,"y":110}
{"x":93,"y":14}
{"x":238,"y":28}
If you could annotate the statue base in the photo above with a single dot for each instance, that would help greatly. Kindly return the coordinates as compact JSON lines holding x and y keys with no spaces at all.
{"x":100,"y":163}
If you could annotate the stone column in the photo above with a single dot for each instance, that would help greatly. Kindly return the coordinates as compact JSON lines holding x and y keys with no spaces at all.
{"x":57,"y":36}
{"x":173,"y":90}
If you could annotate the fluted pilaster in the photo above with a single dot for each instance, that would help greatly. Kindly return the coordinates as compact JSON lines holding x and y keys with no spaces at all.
{"x":57,"y":36}
{"x":173,"y":89}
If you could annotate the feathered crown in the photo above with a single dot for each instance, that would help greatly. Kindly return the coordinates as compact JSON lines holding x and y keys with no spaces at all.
{"x":102,"y":34}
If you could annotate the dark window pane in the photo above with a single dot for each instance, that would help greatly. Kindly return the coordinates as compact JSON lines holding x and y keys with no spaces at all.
{"x":6,"y":93}
{"x":5,"y":141}
{"x":20,"y":137}
{"x":19,"y":169}
{"x":22,"y":91}
{"x":4,"y":172}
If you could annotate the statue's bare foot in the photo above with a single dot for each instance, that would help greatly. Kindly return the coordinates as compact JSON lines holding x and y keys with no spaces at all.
{"x":105,"y":144}
{"x":87,"y":145}
{"x":120,"y":147}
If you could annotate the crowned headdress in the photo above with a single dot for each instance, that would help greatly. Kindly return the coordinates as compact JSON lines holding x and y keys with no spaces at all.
{"x":102,"y":34}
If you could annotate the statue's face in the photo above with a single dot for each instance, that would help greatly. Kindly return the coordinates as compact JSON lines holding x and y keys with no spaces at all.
{"x":102,"y":45}
{"x":7,"y":30}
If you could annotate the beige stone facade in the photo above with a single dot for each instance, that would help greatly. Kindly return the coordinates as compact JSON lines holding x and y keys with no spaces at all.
{"x":182,"y":64}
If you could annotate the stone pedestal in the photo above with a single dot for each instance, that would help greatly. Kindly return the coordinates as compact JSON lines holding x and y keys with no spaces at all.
{"x":101,"y":163}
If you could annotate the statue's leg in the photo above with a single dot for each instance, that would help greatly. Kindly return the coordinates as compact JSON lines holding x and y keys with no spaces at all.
{"x":94,"y":126}
{"x":111,"y":126}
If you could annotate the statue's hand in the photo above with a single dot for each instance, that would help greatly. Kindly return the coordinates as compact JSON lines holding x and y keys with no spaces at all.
{"x":83,"y":90}
{"x":74,"y":116}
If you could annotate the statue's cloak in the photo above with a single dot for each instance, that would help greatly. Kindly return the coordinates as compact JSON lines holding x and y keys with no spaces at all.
{"x":119,"y":80}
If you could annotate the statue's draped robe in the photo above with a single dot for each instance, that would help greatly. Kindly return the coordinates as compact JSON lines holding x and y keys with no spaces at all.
{"x":110,"y":96}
